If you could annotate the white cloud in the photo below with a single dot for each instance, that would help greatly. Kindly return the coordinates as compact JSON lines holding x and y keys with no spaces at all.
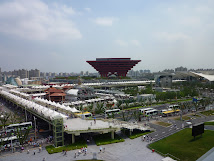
{"x":172,"y":36}
{"x":35,"y":20}
{"x":121,"y":42}
{"x":105,"y":21}
{"x":135,"y":42}
{"x":204,"y":9}
{"x":87,"y":9}
{"x":191,"y":21}
{"x":127,"y":43}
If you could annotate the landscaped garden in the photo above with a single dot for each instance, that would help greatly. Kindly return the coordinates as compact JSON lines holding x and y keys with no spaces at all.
{"x":104,"y":139}
{"x":80,"y":143}
{"x":183,"y":146}
{"x":183,"y":118}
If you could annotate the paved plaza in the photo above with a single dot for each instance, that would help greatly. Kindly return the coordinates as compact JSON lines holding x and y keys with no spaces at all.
{"x":129,"y":150}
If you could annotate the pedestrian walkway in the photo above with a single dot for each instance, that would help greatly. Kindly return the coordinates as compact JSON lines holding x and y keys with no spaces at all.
{"x":125,"y":151}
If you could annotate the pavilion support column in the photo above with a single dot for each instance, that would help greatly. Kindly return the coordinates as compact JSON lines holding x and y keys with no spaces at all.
{"x":49,"y":126}
{"x":130,"y":132}
{"x":73,"y":138}
{"x":112,"y":134}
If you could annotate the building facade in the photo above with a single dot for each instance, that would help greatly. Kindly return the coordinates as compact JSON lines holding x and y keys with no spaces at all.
{"x":113,"y":66}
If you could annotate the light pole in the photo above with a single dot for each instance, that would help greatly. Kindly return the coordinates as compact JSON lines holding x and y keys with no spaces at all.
{"x":35,"y":125}
{"x":25,"y":115}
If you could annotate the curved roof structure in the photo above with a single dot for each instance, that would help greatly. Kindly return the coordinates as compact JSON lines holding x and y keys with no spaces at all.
{"x":206,"y":76}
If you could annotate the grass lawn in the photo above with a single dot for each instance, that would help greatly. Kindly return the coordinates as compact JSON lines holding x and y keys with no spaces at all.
{"x":207,"y":113}
{"x":163,"y":123}
{"x":195,"y":115}
{"x":136,"y":133}
{"x":80,"y":143}
{"x":183,"y":146}
{"x":183,"y":117}
{"x":104,"y":139}
{"x":131,"y":108}
{"x":209,"y":123}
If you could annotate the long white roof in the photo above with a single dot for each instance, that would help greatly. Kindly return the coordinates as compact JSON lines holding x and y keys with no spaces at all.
{"x":206,"y":76}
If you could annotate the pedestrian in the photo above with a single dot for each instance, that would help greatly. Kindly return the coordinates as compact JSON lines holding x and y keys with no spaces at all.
{"x":34,"y":152}
{"x":28,"y":151}
{"x":43,"y":159}
{"x":104,"y":150}
{"x":100,"y":149}
{"x":75,"y":155}
{"x":94,"y":120}
{"x":85,"y":151}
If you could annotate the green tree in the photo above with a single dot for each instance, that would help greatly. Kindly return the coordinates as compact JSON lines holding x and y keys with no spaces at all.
{"x":4,"y":117}
{"x":22,"y":134}
{"x":100,"y":108}
{"x":137,"y":115}
{"x":126,"y":117}
{"x":119,"y":103}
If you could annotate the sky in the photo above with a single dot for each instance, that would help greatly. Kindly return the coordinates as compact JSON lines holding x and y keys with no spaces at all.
{"x":61,"y":35}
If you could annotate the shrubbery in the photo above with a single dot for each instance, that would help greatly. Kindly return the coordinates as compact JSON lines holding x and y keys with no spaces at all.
{"x":77,"y":145}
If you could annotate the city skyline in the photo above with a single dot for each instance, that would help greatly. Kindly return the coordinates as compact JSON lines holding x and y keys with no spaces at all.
{"x":55,"y":36}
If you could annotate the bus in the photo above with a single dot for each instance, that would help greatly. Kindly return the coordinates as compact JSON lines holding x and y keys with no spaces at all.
{"x":170,"y":112}
{"x":7,"y":142}
{"x":152,"y":112}
{"x":113,"y":111}
{"x":174,"y":106}
{"x":85,"y":114}
{"x":21,"y":126}
{"x":143,"y":110}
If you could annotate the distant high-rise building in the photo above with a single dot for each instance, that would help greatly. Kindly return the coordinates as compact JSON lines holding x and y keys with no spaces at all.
{"x":87,"y":73}
{"x":168,"y":71}
{"x":34,"y":73}
{"x":53,"y":74}
{"x":43,"y":74}
{"x":81,"y":73}
{"x":147,"y":71}
{"x":22,"y":73}
{"x":180,"y":69}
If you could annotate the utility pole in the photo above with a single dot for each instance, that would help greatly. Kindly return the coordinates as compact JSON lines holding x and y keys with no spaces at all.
{"x":35,"y":125}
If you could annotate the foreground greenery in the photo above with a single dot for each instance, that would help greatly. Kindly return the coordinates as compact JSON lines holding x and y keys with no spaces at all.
{"x":209,"y":123}
{"x":80,"y":143}
{"x":136,"y":133}
{"x":104,"y":139}
{"x":208,"y":113}
{"x":183,"y":146}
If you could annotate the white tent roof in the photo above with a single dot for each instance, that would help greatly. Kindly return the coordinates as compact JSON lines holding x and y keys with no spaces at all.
{"x":73,"y":91}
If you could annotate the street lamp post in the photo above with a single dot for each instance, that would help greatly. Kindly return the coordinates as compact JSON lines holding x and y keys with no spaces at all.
{"x":35,"y":125}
